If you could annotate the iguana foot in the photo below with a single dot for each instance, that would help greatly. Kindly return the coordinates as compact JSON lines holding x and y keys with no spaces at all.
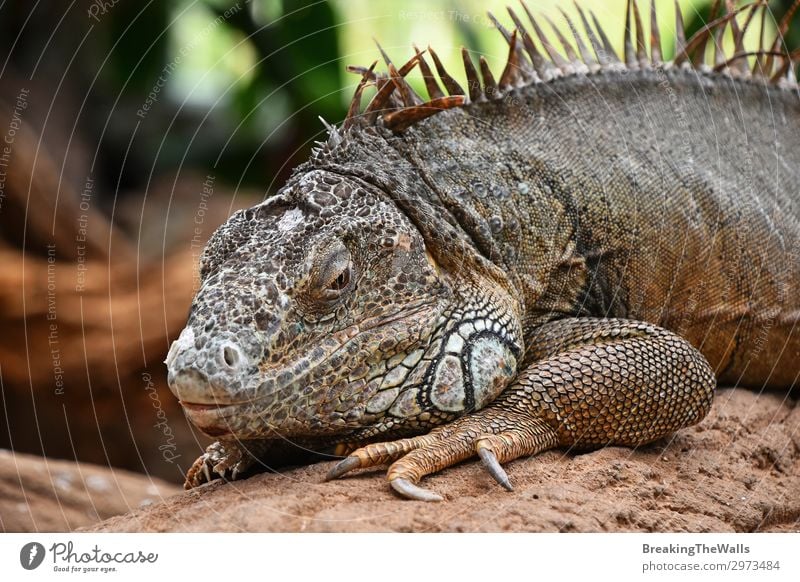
{"x":495,"y":434}
{"x":227,"y":460}
{"x":591,"y":383}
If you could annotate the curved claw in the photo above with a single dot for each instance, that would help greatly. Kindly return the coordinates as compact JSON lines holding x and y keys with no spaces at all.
{"x":407,"y":489}
{"x":493,"y":466}
{"x":342,"y":467}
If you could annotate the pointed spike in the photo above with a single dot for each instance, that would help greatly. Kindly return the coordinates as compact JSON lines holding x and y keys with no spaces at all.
{"x":700,"y":38}
{"x":585,"y":56}
{"x":596,"y":46}
{"x":449,"y":82}
{"x":434,"y":91}
{"x":327,"y":125}
{"x":568,"y":50}
{"x":715,"y":6}
{"x":787,"y":18}
{"x":500,"y":27}
{"x":729,"y":6}
{"x":473,"y":83}
{"x":393,"y":99}
{"x":787,"y":69}
{"x":404,"y":118}
{"x":630,"y":55}
{"x":409,"y":96}
{"x":791,"y":75}
{"x":641,"y":51}
{"x":385,"y":97}
{"x":631,"y":52}
{"x":699,"y":53}
{"x":680,"y":34}
{"x":556,"y":58}
{"x":699,"y":56}
{"x":361,"y":71}
{"x":791,"y":72}
{"x":780,"y":72}
{"x":512,"y":73}
{"x":740,"y":65}
{"x":357,"y":69}
{"x":385,"y":56}
{"x":381,"y":99}
{"x":750,"y":17}
{"x":655,"y":35}
{"x":609,"y":49}
{"x":489,"y":84}
{"x":719,"y":51}
{"x":355,"y":103}
{"x":508,"y":36}
{"x":783,"y":26}
{"x":409,"y":66}
{"x":740,"y":56}
{"x":540,"y":64}
{"x":758,"y":65}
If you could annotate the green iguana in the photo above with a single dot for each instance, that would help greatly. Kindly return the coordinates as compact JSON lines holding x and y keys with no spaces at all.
{"x":569,"y":254}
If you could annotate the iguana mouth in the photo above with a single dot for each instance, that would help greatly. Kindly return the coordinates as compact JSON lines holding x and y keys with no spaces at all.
{"x":200,"y":406}
{"x":212,"y":416}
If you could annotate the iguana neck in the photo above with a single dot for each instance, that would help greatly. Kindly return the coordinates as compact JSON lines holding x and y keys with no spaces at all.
{"x":561,"y":185}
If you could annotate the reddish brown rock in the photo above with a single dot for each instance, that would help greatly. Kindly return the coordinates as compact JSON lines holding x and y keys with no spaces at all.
{"x":739,"y":470}
{"x":47,"y":495}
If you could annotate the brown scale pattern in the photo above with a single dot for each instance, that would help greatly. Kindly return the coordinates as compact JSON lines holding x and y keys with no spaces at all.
{"x":607,"y":381}
{"x":629,"y":383}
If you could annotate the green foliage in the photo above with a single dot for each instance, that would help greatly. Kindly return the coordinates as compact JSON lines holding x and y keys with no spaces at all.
{"x":142,"y":47}
{"x":241,"y":83}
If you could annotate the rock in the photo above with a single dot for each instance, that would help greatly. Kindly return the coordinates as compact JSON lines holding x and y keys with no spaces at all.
{"x":739,"y":470}
{"x":39,"y":494}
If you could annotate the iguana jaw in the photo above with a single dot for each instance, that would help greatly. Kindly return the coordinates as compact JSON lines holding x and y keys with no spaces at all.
{"x":293,"y":401}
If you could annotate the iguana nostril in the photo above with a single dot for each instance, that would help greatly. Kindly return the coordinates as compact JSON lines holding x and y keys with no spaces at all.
{"x":231,"y":356}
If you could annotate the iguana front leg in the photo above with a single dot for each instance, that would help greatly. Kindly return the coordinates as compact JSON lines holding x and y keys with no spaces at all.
{"x":225,"y":459}
{"x":591,"y":383}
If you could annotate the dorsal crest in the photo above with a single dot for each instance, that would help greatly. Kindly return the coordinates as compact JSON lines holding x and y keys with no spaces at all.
{"x":533,"y":58}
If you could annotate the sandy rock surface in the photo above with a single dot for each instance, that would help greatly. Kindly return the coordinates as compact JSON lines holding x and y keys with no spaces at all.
{"x":739,"y":470}
{"x":47,"y":495}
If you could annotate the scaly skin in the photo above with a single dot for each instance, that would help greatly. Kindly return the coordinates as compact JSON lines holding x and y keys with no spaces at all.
{"x":565,"y":264}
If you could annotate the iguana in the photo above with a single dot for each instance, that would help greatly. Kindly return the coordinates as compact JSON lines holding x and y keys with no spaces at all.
{"x":569,"y":254}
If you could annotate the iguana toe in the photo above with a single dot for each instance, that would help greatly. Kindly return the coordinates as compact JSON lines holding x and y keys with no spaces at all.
{"x":344,"y":466}
{"x":486,"y":433}
{"x":492,"y":465}
{"x":377,"y":454}
{"x":407,"y":489}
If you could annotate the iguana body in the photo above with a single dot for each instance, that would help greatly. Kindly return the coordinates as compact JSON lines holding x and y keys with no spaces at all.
{"x":559,"y":263}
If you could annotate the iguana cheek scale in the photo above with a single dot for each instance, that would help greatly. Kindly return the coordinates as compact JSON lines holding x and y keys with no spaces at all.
{"x":570,"y":254}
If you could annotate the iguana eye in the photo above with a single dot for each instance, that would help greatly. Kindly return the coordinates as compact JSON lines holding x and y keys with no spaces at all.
{"x":341,"y":281}
{"x":336,"y":286}
{"x":334,"y":273}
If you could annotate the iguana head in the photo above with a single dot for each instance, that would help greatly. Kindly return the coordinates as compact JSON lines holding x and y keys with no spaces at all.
{"x":323,"y":311}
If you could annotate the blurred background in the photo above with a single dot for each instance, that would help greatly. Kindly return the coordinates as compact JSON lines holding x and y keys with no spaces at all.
{"x":129,"y":130}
